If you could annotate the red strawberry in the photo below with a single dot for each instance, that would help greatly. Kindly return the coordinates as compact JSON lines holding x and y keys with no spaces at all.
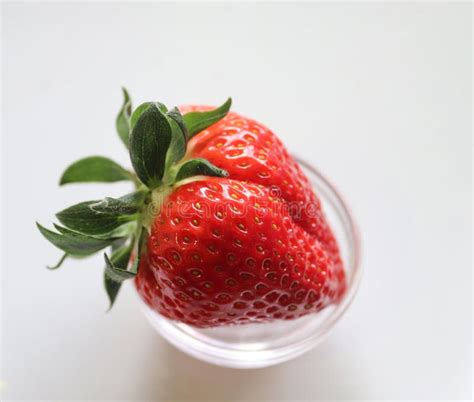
{"x":224,"y":251}
{"x":249,"y":151}
{"x":248,"y":245}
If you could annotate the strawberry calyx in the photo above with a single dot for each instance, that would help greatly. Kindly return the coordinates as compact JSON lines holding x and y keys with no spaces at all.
{"x":157,"y":142}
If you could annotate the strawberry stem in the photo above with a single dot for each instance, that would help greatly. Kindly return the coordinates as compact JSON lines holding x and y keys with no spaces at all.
{"x":157,"y":141}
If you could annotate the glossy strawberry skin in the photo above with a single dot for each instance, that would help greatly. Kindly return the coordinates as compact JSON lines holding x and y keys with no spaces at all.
{"x":225,"y":252}
{"x":249,"y":151}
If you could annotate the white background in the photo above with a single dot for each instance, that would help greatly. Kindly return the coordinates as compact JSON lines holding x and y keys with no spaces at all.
{"x":378,"y":96}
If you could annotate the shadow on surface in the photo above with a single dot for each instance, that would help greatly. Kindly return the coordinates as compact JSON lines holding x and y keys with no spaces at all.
{"x":323,"y":373}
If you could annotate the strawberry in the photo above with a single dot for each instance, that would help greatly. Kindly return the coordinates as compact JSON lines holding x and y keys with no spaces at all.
{"x":249,"y":151}
{"x":223,"y":228}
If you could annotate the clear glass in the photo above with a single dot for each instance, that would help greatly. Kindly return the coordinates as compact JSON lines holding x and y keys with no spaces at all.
{"x":261,"y":345}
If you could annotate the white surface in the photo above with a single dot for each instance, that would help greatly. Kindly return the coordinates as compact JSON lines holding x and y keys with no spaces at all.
{"x":377,"y":96}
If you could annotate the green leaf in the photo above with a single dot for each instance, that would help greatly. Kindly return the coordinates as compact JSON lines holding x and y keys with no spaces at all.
{"x":116,"y":271}
{"x":177,"y":147}
{"x":122,"y":232}
{"x":122,"y":123}
{"x":176,"y":115}
{"x":112,"y":288}
{"x":75,"y":244}
{"x":161,"y":106}
{"x":99,"y":217}
{"x":59,"y":263}
{"x":119,"y":243}
{"x":116,"y":267}
{"x":125,"y":230}
{"x":140,"y":109}
{"x":199,"y":167}
{"x":149,"y":144}
{"x":142,"y":238}
{"x":94,"y":169}
{"x":198,"y":121}
{"x":138,"y":112}
{"x":135,"y":198}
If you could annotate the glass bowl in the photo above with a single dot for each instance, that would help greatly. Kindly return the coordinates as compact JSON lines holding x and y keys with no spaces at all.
{"x":261,"y":345}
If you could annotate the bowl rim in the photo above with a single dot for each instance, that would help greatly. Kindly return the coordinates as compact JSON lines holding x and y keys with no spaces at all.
{"x":353,"y":287}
